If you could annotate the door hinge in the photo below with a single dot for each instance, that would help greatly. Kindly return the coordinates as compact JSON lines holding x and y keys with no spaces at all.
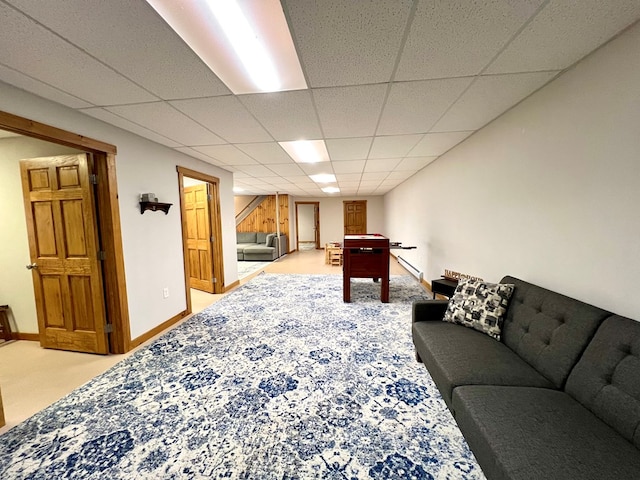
{"x":214,"y":280}
{"x":108,"y":328}
{"x":209,"y":196}
{"x":212,"y":239}
{"x":102,"y":255}
{"x":93,"y":179}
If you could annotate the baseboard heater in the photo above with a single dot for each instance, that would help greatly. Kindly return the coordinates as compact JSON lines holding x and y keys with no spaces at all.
{"x":412,"y":270}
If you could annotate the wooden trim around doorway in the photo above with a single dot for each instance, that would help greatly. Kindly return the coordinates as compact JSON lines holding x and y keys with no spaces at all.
{"x":115,"y":289}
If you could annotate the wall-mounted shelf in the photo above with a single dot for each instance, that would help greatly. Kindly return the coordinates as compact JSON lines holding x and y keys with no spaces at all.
{"x":154,"y":207}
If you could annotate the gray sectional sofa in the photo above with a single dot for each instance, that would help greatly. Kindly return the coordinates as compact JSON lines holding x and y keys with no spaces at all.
{"x":558,"y":397}
{"x":260,"y":246}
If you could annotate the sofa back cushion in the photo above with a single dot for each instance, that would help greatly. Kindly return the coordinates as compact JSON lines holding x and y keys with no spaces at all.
{"x":269,"y":241}
{"x":606,"y":380}
{"x":548,"y":330}
{"x":245,"y":237}
{"x":261,"y":238}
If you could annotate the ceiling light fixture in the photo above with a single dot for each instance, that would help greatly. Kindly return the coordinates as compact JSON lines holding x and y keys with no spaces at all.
{"x":246,"y":43}
{"x":306,"y":151}
{"x":323,"y":178}
{"x":331,"y":190}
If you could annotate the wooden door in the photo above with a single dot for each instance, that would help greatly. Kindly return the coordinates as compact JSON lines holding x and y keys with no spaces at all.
{"x":64,"y":250}
{"x":196,"y":203}
{"x":355,"y":217}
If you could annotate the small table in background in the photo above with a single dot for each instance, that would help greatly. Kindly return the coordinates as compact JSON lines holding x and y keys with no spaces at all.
{"x":443,"y":286}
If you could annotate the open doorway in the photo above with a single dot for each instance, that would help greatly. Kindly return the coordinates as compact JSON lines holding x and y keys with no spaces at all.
{"x":201,"y":237}
{"x":307,"y":226}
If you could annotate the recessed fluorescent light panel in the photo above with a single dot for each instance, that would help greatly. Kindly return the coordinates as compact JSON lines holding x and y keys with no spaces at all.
{"x":306,"y":151}
{"x":246,"y":43}
{"x":323,"y":178}
{"x":238,"y":189}
{"x":331,"y":190}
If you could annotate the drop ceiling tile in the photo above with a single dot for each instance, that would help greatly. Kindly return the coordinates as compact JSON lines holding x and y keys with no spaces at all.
{"x":258,"y":171}
{"x":413,"y":107}
{"x":13,"y":77}
{"x":349,"y":111}
{"x":349,"y":184}
{"x":201,"y":156}
{"x":348,"y":148}
{"x":488,"y":97}
{"x":377,"y":176}
{"x":347,"y":43}
{"x":316,"y":168}
{"x":266,"y":153}
{"x":369,"y":183}
{"x":166,"y":66}
{"x":349,"y":177}
{"x":286,"y":115}
{"x":302,"y":181}
{"x":225,"y":116}
{"x":252,"y":181}
{"x":113,"y":119}
{"x":458,"y":38}
{"x":413,"y":164}
{"x":167,"y":121}
{"x":437,"y":143}
{"x":400,"y":175}
{"x":564,"y":32}
{"x":286,"y":169}
{"x":349,"y":166}
{"x":393,"y":146}
{"x":228,"y":154}
{"x":48,"y":59}
{"x":381,"y":165}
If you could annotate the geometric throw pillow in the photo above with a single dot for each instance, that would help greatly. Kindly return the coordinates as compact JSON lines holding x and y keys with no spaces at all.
{"x":480,"y":305}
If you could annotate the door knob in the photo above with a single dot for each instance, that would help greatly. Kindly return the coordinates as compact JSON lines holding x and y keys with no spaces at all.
{"x":32,"y":266}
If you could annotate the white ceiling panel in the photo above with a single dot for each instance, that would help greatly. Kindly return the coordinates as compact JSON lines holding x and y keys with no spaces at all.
{"x":437,"y":143}
{"x":488,"y":97}
{"x":286,"y":169}
{"x":414,"y":164}
{"x":349,"y":166}
{"x":349,"y":111}
{"x":349,"y":177}
{"x":113,"y":119}
{"x":348,"y":148}
{"x":393,"y":146}
{"x":228,"y":154}
{"x":377,"y":176}
{"x":201,"y":156}
{"x":285,"y":115}
{"x":349,"y":183}
{"x":316,"y":168}
{"x":166,"y":66}
{"x":169,"y":122}
{"x":266,"y":153}
{"x":55,"y":62}
{"x":381,"y":165}
{"x":347,"y":43}
{"x":13,"y":77}
{"x":226,"y":116}
{"x":563,"y":32}
{"x":413,"y":107}
{"x":458,"y":38}
{"x":258,"y":171}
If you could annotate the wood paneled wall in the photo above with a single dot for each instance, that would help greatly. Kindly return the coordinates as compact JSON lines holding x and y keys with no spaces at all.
{"x":263,"y":218}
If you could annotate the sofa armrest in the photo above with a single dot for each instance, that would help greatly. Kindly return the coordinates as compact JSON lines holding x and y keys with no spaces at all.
{"x":428,"y":310}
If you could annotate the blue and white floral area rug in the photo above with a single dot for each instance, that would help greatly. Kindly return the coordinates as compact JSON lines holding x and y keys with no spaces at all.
{"x":278,"y":380}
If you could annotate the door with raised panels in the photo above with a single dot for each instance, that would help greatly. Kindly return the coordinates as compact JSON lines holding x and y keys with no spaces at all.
{"x":199,"y":247}
{"x":64,"y":250}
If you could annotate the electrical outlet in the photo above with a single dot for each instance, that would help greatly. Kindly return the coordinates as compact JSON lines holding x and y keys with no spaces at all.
{"x":165,"y":292}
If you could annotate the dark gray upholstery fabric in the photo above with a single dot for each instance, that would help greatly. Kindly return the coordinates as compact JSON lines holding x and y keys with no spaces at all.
{"x":425,"y":310}
{"x":457,"y":355}
{"x":548,"y":330}
{"x":261,"y":237}
{"x":607,"y":378}
{"x":523,"y":433}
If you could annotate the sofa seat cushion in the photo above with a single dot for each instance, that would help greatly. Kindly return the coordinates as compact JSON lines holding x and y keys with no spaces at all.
{"x":258,"y":249}
{"x":456,"y":355}
{"x":522,"y":433}
{"x":241,"y":246}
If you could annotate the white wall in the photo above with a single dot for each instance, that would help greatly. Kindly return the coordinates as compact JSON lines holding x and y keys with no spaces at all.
{"x":332,"y":216}
{"x":548,"y":192}
{"x":16,"y":283}
{"x":152,"y":242}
